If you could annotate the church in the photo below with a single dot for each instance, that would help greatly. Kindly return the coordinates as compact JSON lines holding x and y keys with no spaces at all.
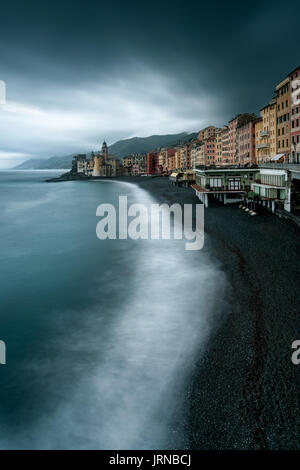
{"x":98,"y":164}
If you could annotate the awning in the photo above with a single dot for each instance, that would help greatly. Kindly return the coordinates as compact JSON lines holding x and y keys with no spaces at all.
{"x":277,"y":157}
{"x":173,"y":175}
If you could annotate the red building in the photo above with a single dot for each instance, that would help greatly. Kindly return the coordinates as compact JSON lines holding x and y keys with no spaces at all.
{"x":153,"y":163}
{"x":295,"y":115}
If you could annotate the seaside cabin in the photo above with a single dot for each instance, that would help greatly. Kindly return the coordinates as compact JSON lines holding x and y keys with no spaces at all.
{"x":187,"y":178}
{"x":174,"y":177}
{"x":227,"y":185}
{"x":278,"y":187}
{"x":271,"y":189}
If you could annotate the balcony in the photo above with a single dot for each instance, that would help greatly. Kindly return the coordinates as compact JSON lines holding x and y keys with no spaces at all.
{"x":263,"y":146}
{"x":264,"y":133}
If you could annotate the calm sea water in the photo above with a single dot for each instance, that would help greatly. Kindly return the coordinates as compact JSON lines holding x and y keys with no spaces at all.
{"x":101,"y":335}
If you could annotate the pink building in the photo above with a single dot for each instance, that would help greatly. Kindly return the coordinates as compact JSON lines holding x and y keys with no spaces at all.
{"x":232,"y":135}
{"x":209,"y":150}
{"x":246,"y":143}
{"x":295,"y":115}
{"x":225,"y":146}
{"x":233,"y":125}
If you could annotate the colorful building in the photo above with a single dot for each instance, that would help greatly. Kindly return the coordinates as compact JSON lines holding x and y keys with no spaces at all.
{"x":206,"y":133}
{"x":218,"y":146}
{"x":283,"y":112}
{"x":295,"y":115}
{"x":246,"y":142}
{"x":225,"y":146}
{"x":228,"y":185}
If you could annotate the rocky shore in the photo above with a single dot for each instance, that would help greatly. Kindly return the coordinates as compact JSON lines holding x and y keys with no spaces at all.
{"x":244,"y":393}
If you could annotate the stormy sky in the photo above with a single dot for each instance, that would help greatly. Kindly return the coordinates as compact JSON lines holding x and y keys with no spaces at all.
{"x":77,"y":72}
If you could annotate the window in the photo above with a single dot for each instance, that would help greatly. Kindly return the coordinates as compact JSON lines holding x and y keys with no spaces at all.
{"x":215,"y":182}
{"x":234,"y":184}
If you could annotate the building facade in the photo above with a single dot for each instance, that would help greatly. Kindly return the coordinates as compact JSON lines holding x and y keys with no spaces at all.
{"x":246,"y":143}
{"x":283,"y":112}
{"x":295,"y":115}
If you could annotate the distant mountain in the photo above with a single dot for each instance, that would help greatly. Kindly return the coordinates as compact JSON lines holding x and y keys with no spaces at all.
{"x":46,"y":163}
{"x":119,"y":149}
{"x":145,"y":144}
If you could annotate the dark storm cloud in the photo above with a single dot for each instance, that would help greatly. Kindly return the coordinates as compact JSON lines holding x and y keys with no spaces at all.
{"x":78,"y":70}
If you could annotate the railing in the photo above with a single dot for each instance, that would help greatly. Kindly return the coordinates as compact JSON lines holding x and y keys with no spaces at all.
{"x":262,"y":146}
{"x":280,"y":166}
{"x":264,"y":133}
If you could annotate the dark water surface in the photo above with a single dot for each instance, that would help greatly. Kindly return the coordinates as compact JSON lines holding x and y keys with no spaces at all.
{"x":101,"y":335}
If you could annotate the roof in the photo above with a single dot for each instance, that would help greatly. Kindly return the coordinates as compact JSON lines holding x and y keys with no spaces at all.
{"x":277,"y":157}
{"x":295,"y":70}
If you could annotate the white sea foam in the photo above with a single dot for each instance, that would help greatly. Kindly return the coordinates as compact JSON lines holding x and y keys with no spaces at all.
{"x":141,"y":355}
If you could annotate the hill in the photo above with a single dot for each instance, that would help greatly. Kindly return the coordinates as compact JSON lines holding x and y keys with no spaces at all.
{"x":119,"y":149}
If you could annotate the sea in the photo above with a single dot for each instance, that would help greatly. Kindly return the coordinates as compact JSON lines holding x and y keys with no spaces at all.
{"x":101,"y":336}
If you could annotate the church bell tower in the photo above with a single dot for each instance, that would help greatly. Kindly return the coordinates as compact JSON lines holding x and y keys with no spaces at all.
{"x":104,"y":151}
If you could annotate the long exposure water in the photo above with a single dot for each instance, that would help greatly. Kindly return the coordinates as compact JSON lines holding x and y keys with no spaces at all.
{"x":101,"y":335}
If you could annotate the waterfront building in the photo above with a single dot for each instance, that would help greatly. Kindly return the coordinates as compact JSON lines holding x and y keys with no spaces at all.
{"x":271,"y":188}
{"x":127,"y":161}
{"x":295,"y":115}
{"x":283,"y":111}
{"x":225,"y":146}
{"x":265,"y":134}
{"x":162,"y":159}
{"x":134,"y":164}
{"x":206,"y":133}
{"x":194,"y":148}
{"x":218,"y":146}
{"x":183,"y":157}
{"x":205,"y":152}
{"x":246,"y":142}
{"x":152,"y":163}
{"x":277,"y":187}
{"x":171,"y":159}
{"x":200,"y":154}
{"x":104,"y":152}
{"x":228,"y":185}
{"x":98,"y":164}
{"x":233,"y":126}
{"x":96,"y":161}
{"x":79,"y":164}
{"x":178,"y":158}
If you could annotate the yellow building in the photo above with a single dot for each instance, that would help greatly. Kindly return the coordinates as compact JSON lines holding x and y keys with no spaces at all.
{"x":207,"y":133}
{"x":127,"y":161}
{"x":178,"y":158}
{"x":283,"y":113}
{"x":265,"y":133}
{"x":163,"y":158}
{"x":172,"y":162}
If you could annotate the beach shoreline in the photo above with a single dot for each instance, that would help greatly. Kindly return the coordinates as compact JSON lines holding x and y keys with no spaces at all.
{"x":244,"y":390}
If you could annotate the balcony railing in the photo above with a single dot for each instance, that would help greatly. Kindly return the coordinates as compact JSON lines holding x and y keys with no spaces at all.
{"x":264,"y":133}
{"x":263,"y":146}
